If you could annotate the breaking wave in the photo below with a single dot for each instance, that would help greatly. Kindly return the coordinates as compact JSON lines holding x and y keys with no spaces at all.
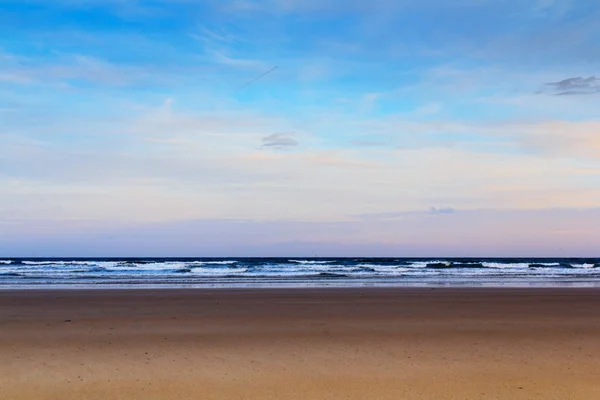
{"x":309,"y":271}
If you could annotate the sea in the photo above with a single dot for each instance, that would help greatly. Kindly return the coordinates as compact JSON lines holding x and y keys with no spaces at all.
{"x":23,"y":273}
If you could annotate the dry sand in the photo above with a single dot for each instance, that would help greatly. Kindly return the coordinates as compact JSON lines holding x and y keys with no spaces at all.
{"x":300,"y":344}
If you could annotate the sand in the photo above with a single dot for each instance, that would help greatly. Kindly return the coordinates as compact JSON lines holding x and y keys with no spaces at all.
{"x":300,"y":344}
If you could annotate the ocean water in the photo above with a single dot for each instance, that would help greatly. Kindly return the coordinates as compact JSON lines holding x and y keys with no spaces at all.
{"x":297,"y":272}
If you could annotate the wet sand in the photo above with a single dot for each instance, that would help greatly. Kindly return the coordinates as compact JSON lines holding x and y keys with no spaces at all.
{"x":300,"y":344}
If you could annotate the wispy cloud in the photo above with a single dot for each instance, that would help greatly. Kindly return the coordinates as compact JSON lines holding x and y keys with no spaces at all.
{"x":220,"y":57}
{"x":545,"y":137}
{"x":222,"y":46}
{"x":217,"y":35}
{"x":77,"y":68}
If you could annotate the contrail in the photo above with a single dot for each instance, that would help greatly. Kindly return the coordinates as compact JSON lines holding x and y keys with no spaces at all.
{"x":254,"y":80}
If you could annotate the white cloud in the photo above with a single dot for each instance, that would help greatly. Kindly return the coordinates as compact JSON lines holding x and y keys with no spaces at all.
{"x":221,"y":57}
{"x":74,"y":67}
{"x":560,"y":138}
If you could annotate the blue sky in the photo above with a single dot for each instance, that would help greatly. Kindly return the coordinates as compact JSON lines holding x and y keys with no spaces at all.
{"x":402,"y":128}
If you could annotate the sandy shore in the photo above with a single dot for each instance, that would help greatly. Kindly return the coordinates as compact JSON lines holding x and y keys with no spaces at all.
{"x":301,"y":344}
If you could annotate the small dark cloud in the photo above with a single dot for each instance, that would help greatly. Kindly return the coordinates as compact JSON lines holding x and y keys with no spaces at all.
{"x":281,"y":140}
{"x":437,"y":211}
{"x":575,"y":86}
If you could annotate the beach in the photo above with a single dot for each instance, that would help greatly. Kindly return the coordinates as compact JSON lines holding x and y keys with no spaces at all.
{"x":337,"y":343}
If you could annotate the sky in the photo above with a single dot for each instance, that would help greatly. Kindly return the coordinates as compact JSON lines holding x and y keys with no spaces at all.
{"x":299,"y":128}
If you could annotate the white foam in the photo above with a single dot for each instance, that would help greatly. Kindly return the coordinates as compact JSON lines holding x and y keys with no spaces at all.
{"x":583,"y":266}
{"x":67,"y":262}
{"x":384,"y":269}
{"x":218,"y":271}
{"x":166,"y":266}
{"x":308,"y":262}
{"x":200,"y":263}
{"x":6,"y":262}
{"x":505,"y":265}
{"x":228,"y":262}
{"x":155,"y":266}
{"x":423,"y":264}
